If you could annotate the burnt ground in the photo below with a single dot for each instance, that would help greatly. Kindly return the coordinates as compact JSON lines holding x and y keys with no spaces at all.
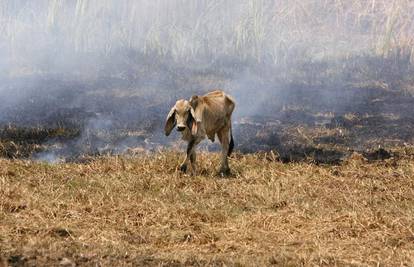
{"x":308,"y":114}
{"x":372,"y":120}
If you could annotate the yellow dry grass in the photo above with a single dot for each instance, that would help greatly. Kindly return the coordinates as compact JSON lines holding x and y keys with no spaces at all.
{"x":140,"y":211}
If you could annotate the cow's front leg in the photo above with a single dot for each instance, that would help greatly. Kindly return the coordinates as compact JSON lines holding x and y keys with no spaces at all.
{"x":190,"y":147}
{"x":193,"y":158}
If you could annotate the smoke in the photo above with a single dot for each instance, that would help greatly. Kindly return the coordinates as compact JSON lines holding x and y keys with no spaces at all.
{"x":112,"y":69}
{"x":48,"y":157}
{"x":73,"y":36}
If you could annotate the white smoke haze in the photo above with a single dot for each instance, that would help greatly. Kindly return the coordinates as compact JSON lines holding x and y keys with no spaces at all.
{"x":48,"y":35}
{"x":112,"y":69}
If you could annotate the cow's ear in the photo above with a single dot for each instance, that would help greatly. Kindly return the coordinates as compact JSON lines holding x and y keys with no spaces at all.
{"x":194,"y":124}
{"x":170,"y":122}
{"x":194,"y":101}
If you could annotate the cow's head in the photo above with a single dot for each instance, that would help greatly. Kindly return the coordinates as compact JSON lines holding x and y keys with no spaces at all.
{"x":182,"y":115}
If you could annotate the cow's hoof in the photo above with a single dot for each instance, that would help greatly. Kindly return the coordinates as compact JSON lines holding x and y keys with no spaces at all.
{"x":224,"y":172}
{"x":183,"y":168}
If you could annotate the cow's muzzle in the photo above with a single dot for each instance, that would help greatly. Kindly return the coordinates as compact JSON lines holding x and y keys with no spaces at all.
{"x":180,"y":128}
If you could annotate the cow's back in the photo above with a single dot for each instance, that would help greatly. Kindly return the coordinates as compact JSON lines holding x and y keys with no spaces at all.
{"x":219,"y":102}
{"x":218,"y":108}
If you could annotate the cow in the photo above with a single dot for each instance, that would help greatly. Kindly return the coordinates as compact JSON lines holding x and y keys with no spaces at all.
{"x":200,"y":117}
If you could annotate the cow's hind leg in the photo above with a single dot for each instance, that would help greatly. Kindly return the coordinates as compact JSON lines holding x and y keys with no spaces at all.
{"x":223,"y":136}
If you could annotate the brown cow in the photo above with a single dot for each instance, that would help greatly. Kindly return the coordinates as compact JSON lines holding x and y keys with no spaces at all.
{"x":201,"y":117}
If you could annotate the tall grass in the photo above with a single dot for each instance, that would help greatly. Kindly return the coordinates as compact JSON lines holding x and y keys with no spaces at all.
{"x":259,"y":30}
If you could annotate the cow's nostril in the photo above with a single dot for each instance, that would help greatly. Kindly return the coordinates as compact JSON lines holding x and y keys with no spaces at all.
{"x":180,"y":128}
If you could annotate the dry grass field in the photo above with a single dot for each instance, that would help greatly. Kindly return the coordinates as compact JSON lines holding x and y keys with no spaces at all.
{"x":116,"y":211}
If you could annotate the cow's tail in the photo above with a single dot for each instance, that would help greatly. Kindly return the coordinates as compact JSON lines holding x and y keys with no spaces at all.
{"x":231,"y":145}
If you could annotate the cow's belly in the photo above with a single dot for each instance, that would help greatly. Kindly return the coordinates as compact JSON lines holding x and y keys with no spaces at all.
{"x":186,"y":136}
{"x":215,"y":127}
{"x":211,"y":136}
{"x":203,"y":132}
